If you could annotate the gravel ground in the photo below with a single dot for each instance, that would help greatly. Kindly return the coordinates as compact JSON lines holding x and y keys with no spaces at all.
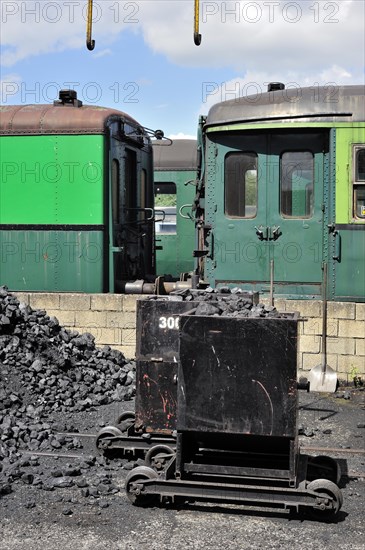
{"x":71,"y":517}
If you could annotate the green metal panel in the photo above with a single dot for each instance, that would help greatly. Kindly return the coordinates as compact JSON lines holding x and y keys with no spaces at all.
{"x":350,"y":269}
{"x":176,"y":255}
{"x":70,"y":261}
{"x":167,"y":262}
{"x":52,"y":179}
{"x":348,"y":239}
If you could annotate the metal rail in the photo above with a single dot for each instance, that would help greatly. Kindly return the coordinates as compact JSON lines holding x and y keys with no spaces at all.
{"x":302,"y":448}
{"x":333,"y":450}
{"x":351,"y":474}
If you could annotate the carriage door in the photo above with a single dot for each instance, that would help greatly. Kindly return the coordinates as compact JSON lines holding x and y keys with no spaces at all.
{"x":123,"y":243}
{"x":295,"y":194}
{"x":269,"y":197}
{"x":132,"y":235}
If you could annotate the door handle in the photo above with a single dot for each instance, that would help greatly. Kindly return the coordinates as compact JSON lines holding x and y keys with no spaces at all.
{"x":210,"y":244}
{"x":262,"y":232}
{"x":275,"y":232}
{"x":337,"y":252}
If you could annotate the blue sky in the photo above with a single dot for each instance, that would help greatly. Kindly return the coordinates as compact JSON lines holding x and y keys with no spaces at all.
{"x":146,"y":64}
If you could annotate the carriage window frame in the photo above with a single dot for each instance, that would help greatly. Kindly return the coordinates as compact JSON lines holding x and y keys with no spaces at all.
{"x":235,"y":194}
{"x":165,"y":214}
{"x":287,"y":202}
{"x":358,"y":184}
{"x":115,"y":177}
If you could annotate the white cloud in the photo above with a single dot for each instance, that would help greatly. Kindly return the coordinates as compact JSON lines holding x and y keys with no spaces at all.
{"x":256,"y":35}
{"x":102,"y":53}
{"x":181,"y":135}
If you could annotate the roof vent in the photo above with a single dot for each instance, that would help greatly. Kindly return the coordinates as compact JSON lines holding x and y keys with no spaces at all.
{"x":68,"y":98}
{"x":273,"y":86}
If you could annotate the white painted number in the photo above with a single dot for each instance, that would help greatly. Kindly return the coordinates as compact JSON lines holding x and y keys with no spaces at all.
{"x":169,"y":322}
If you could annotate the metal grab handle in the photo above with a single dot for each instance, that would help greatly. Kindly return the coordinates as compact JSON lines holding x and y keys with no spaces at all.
{"x":150,"y":210}
{"x":197,"y":36}
{"x":262,"y":232}
{"x":210,"y":245}
{"x":188,"y":216}
{"x":275,"y":233}
{"x":161,"y":213}
{"x":337,"y":253}
{"x":89,"y":42}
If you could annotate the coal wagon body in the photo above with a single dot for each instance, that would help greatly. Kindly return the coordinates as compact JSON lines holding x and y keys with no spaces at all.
{"x":216,"y":408}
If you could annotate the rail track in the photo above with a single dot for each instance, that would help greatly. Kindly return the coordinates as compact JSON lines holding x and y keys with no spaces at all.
{"x":307,"y":449}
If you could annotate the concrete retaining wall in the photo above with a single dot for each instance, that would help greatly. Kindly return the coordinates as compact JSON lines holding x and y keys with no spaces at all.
{"x":111,"y":318}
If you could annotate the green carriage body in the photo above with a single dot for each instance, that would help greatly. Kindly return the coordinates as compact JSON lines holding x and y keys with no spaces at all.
{"x":283,"y":191}
{"x":76,"y":198}
{"x":174,"y":179}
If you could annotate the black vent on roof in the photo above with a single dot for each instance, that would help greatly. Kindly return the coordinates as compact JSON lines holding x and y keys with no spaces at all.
{"x":68,"y":98}
{"x":273,"y":86}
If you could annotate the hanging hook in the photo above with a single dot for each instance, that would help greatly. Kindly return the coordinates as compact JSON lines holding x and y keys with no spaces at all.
{"x":197,"y":36}
{"x":89,"y":42}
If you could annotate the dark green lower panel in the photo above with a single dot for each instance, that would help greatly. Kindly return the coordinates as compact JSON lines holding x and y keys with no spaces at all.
{"x":176,"y":254}
{"x":348,"y":271}
{"x":53,"y":261}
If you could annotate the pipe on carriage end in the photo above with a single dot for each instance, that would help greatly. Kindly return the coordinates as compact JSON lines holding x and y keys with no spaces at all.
{"x":159,"y":286}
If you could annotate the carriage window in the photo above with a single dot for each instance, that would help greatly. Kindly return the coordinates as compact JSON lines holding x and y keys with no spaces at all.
{"x":143,"y":200}
{"x":130,"y":175}
{"x":359,"y":182}
{"x":296,"y":184}
{"x":240,"y":190}
{"x":115,"y":190}
{"x":165,"y":208}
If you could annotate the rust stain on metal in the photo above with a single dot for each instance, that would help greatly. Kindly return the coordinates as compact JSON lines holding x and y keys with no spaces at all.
{"x":56,"y":119}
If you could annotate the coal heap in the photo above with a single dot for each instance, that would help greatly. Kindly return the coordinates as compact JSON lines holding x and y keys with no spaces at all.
{"x":46,"y":369}
{"x":224,"y":302}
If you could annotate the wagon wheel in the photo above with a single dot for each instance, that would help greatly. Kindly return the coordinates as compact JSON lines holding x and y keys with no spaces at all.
{"x":325,"y":489}
{"x":158,"y":456}
{"x":125,"y":420}
{"x":134,"y":485}
{"x":323,"y":467}
{"x":105,"y":437}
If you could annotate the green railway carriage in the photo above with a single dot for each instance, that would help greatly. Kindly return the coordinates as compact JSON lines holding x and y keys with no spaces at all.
{"x":282,"y":192}
{"x":76,"y":198}
{"x":175,"y":167}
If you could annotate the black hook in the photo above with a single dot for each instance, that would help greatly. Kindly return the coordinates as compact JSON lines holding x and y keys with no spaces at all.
{"x":197,"y":39}
{"x":90,"y":44}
